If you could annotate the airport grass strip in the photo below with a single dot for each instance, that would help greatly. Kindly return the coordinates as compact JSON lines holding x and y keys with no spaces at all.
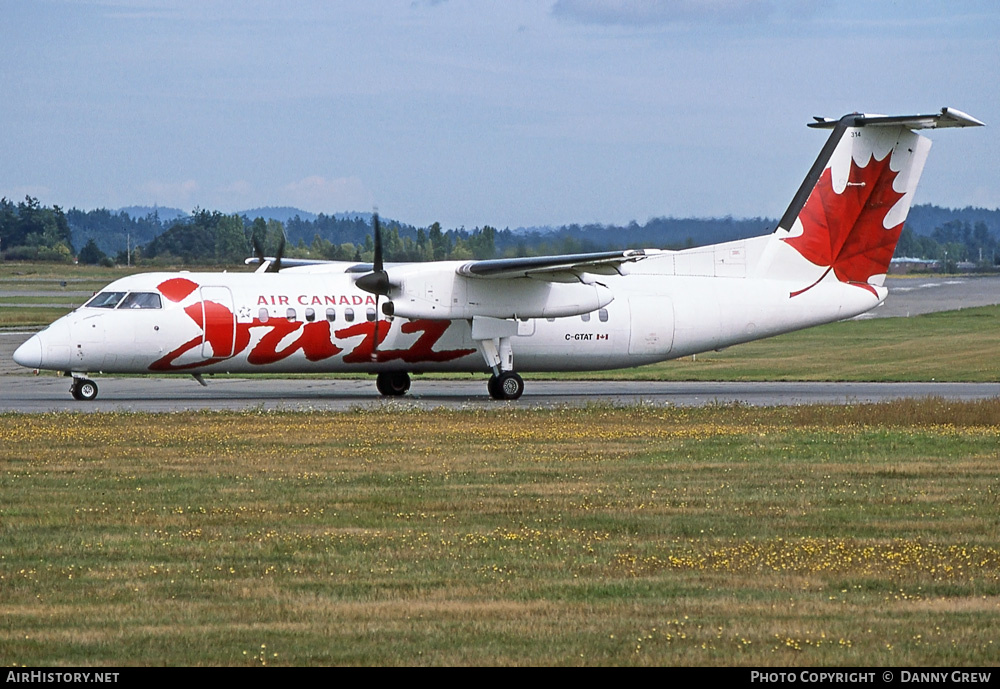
{"x":860,"y":535}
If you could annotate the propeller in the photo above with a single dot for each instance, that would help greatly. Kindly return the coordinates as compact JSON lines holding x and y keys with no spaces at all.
{"x":276,"y":266}
{"x":377,"y":281}
{"x":268,"y":265}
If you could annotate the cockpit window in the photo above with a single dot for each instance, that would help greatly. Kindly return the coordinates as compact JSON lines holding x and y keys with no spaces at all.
{"x":141,"y":300}
{"x":105,"y":300}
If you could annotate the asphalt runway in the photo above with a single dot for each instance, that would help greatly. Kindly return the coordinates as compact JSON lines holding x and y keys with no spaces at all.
{"x":162,"y":394}
{"x":22,"y":391}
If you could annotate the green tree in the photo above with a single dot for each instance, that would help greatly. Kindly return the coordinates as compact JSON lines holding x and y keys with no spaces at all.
{"x":440,"y":242}
{"x":483,"y":243}
{"x":460,"y":251}
{"x":90,"y":254}
{"x":230,"y":240}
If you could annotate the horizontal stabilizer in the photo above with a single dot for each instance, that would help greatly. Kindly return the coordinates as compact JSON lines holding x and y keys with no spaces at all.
{"x":948,"y":117}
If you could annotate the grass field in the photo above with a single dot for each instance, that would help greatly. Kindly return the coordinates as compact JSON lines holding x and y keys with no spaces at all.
{"x":55,"y":283}
{"x":52,"y":284}
{"x":861,"y":535}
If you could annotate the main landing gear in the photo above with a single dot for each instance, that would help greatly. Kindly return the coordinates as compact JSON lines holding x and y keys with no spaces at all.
{"x":492,"y":337}
{"x":83,"y":389}
{"x":507,"y":386}
{"x":393,"y":383}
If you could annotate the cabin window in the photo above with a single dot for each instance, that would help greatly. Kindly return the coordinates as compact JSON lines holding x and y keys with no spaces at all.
{"x":290,"y":314}
{"x":141,"y":300}
{"x":310,"y":315}
{"x":603,"y":315}
{"x":331,"y":314}
{"x":349,"y":315}
{"x":370,"y":313}
{"x":105,"y":300}
{"x":585,"y":317}
{"x":263,"y":315}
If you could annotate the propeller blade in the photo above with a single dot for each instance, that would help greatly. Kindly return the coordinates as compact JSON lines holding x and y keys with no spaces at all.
{"x":268,"y":265}
{"x":377,"y":230}
{"x":276,"y":266}
{"x":258,"y":249}
{"x":375,"y":341}
{"x":377,"y":281}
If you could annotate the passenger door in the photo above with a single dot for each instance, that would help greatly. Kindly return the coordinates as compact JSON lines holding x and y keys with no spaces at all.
{"x":219,"y":322}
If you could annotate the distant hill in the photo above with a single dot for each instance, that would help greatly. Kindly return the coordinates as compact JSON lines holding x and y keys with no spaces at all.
{"x":673,"y":233}
{"x":287,"y":213}
{"x":279,"y":213}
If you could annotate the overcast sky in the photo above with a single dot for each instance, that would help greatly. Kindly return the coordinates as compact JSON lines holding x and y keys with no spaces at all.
{"x":513,"y":113}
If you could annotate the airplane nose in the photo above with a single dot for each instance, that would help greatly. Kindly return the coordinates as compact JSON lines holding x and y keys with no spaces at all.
{"x":29,"y":354}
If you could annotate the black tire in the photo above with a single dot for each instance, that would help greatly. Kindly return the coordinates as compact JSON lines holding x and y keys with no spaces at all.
{"x":393,"y":383}
{"x":494,"y":391}
{"x":509,"y":386}
{"x":84,"y":389}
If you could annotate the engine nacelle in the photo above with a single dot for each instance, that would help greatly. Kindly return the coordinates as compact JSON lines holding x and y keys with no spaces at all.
{"x":464,"y":297}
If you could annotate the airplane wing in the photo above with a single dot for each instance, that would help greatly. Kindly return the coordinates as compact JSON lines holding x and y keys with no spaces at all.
{"x":291,"y":262}
{"x":605,"y":262}
{"x":498,"y":288}
{"x":602,"y":262}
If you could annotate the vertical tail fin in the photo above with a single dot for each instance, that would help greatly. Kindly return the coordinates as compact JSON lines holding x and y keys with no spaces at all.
{"x":848,"y":214}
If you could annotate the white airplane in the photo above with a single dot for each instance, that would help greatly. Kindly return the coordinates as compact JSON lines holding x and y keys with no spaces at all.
{"x":825,"y":262}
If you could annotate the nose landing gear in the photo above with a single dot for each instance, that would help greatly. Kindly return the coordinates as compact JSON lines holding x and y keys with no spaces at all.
{"x":83,"y":389}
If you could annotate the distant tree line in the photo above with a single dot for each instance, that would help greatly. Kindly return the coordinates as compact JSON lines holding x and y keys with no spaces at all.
{"x":954,"y":242}
{"x":29,"y":231}
{"x":211,"y":237}
{"x":109,"y":236}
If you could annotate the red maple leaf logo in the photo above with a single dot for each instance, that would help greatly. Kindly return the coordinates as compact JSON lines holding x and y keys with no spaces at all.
{"x":845,"y":231}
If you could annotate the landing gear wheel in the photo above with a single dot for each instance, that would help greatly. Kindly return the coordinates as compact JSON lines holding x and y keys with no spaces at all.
{"x":393,"y":384}
{"x":83,"y":389}
{"x":507,"y":386}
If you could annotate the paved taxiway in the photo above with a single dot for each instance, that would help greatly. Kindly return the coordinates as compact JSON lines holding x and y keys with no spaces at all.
{"x":20,"y":391}
{"x":912,"y":296}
